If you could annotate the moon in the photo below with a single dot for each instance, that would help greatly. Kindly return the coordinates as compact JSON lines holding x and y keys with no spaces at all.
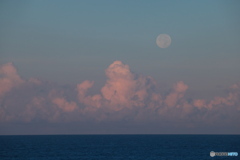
{"x":163,"y":40}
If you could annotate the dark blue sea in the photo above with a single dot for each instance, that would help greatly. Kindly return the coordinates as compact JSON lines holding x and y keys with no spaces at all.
{"x":117,"y":147}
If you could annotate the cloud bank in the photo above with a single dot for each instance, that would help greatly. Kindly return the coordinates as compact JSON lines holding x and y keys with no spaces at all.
{"x":125,"y":96}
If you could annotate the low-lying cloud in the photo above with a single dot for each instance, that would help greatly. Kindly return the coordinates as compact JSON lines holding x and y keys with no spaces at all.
{"x":125,"y":96}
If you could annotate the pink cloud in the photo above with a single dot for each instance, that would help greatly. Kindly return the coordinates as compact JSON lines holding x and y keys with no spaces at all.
{"x":176,"y":95}
{"x":122,"y":89}
{"x":232,"y":99}
{"x":88,"y":100}
{"x":125,"y":92}
{"x":9,"y":78}
{"x":199,"y":103}
{"x":125,"y":95}
{"x":64,"y":105}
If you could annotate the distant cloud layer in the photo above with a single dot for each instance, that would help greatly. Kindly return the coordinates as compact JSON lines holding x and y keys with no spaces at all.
{"x":9,"y":78}
{"x":125,"y":96}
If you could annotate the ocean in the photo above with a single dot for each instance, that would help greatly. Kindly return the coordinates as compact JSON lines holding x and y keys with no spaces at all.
{"x":117,"y":147}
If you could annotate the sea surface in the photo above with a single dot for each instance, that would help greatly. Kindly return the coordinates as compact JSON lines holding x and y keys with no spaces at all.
{"x":117,"y":147}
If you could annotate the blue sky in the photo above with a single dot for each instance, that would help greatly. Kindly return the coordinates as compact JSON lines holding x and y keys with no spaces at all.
{"x":80,"y":37}
{"x":68,"y":42}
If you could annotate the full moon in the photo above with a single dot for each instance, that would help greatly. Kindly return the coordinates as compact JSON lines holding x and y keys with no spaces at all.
{"x":163,"y":40}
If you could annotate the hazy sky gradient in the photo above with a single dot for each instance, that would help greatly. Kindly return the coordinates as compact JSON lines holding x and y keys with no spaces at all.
{"x":54,"y":46}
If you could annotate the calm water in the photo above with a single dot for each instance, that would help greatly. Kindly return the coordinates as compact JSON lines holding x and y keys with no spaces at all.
{"x":135,"y":147}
